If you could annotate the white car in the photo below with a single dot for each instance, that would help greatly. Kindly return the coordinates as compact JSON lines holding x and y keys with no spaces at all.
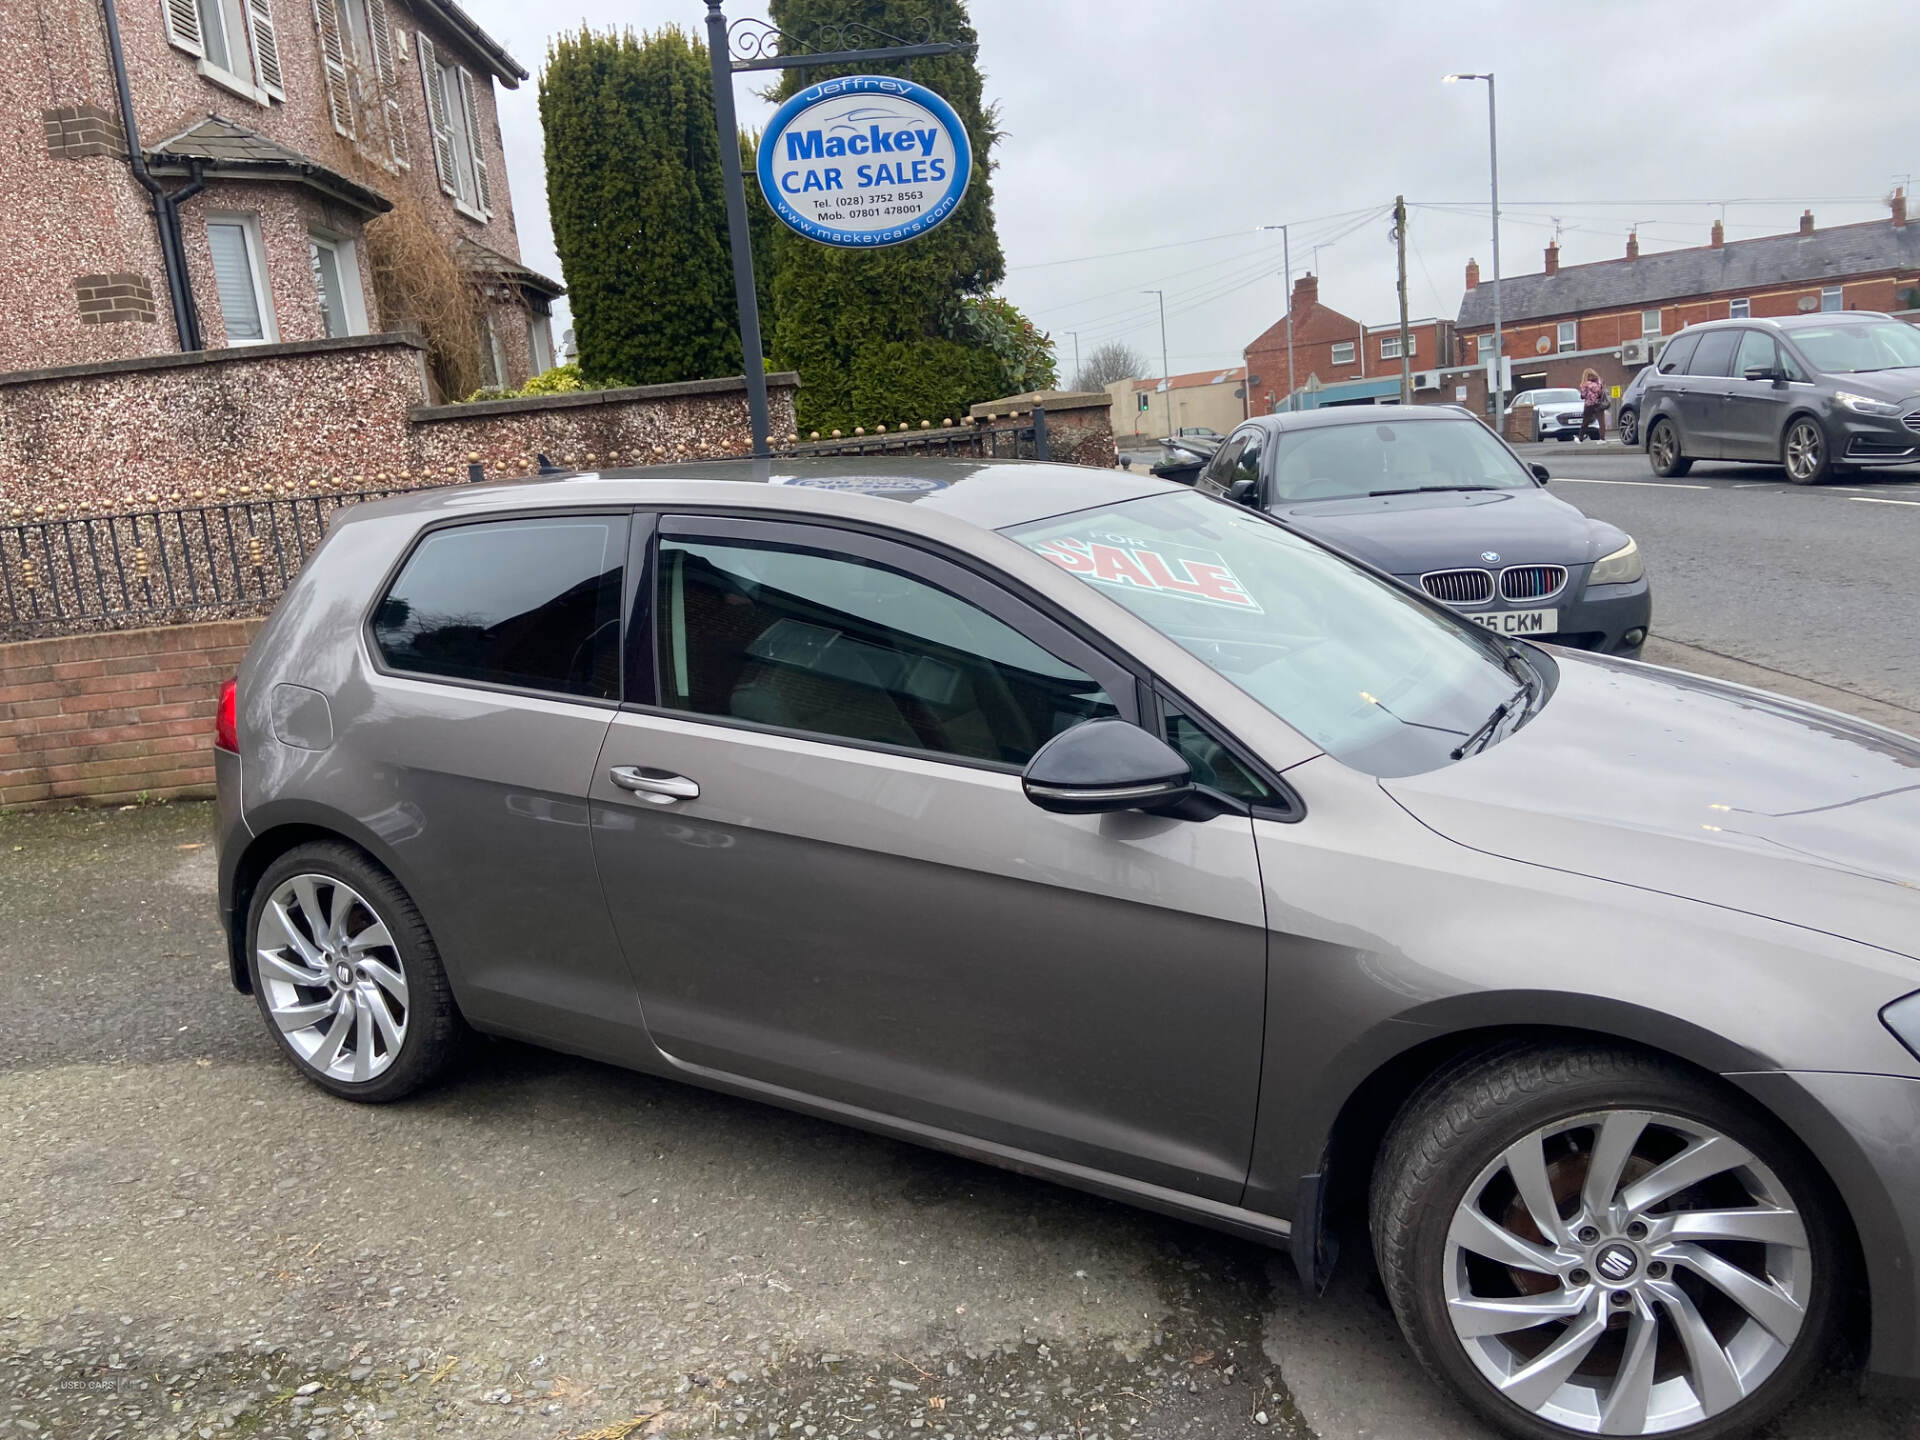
{"x":1556,"y":413}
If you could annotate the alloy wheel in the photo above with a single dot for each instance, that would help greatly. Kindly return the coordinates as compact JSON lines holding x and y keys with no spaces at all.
{"x":332,"y":978}
{"x":1803,"y":451}
{"x":1664,"y":447}
{"x":1627,"y":1272}
{"x":1629,"y":429}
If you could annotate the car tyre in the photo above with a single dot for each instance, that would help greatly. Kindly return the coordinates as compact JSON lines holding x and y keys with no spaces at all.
{"x":347,"y":975}
{"x":1663,"y":451}
{"x":1629,"y":428}
{"x":1461,"y":1173}
{"x":1804,"y":454}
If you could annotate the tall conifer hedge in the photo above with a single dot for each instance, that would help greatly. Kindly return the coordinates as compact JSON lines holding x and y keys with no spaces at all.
{"x":639,"y":208}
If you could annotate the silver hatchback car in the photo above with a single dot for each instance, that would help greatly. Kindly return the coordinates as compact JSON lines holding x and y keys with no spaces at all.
{"x":1082,"y":823}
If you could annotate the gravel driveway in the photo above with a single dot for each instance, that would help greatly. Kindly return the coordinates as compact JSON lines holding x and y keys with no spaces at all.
{"x":193,"y":1241}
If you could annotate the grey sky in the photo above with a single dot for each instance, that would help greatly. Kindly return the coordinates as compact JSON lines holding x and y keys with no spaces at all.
{"x":1184,"y":124}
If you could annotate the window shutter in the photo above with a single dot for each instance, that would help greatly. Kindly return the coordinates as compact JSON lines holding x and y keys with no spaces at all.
{"x":333,"y":60}
{"x":478,"y":146}
{"x":436,"y":114}
{"x":183,"y":26}
{"x":266,"y":48}
{"x":382,"y":33}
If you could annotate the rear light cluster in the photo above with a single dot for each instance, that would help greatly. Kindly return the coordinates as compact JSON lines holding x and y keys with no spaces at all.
{"x":226,"y":723}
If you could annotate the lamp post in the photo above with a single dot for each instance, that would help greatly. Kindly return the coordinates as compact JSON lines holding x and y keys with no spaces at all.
{"x":1493,"y":148}
{"x":1286,"y":261}
{"x":1076,"y":356}
{"x":1166,"y":375}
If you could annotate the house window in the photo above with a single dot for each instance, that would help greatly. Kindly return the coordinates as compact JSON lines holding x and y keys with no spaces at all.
{"x":1649,"y":322}
{"x":1830,"y":297}
{"x":246,"y":309}
{"x":1483,"y":344}
{"x":496,"y":353}
{"x":540,"y":342}
{"x":232,"y":41}
{"x":1390,"y":346}
{"x":336,"y":285}
{"x":1569,"y":335}
{"x":459,"y":147}
{"x":1737,"y":309}
{"x":1343,"y":352}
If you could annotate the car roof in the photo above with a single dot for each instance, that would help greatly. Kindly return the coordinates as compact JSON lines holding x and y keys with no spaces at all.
{"x":1364,"y":415}
{"x":1789,"y":323}
{"x":990,"y":494}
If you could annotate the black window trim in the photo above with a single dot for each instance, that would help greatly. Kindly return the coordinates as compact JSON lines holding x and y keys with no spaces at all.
{"x":894,"y":550}
{"x":622,"y":515}
{"x":1164,"y":697}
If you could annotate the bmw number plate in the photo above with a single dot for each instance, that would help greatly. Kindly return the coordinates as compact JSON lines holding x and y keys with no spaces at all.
{"x":1517,"y":622}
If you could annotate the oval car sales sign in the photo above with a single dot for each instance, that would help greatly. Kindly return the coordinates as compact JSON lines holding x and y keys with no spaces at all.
{"x":864,"y":160}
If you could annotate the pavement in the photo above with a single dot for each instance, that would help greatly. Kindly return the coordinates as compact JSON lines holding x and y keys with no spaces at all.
{"x":193,"y":1241}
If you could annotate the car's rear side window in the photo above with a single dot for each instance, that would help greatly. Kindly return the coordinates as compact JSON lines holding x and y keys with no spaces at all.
{"x":1673,"y":360}
{"x":1715,"y":355}
{"x":532,"y":603}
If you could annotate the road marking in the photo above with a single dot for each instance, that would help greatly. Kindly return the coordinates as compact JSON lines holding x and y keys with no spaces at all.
{"x":1643,"y":484}
{"x":1876,"y":500}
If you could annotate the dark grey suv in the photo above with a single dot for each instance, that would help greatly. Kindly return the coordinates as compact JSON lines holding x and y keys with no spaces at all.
{"x":1817,"y":394}
{"x":1089,"y":825}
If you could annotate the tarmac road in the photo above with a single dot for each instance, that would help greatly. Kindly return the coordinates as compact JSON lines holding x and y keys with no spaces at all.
{"x":193,"y":1241}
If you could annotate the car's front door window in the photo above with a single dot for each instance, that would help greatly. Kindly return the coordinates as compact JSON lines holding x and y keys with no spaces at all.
{"x":834,"y":646}
{"x":1219,"y":471}
{"x":1756,"y":353}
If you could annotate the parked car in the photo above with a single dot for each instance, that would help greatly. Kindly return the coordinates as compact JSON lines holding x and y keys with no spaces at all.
{"x":1817,"y":394}
{"x":1556,"y":413}
{"x":1430,"y":495}
{"x":1628,"y":420}
{"x":1087,"y":824}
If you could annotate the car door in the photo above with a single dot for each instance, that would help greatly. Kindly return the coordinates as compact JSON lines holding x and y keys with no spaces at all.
{"x":1756,"y":407}
{"x":495,"y":671}
{"x":1703,"y":399}
{"x":828,"y":880}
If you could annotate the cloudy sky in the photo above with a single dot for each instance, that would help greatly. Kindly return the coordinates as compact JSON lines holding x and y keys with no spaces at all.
{"x":1146,"y":139}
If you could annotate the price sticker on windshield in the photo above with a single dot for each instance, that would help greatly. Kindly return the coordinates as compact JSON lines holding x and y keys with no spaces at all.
{"x":1183,"y":572}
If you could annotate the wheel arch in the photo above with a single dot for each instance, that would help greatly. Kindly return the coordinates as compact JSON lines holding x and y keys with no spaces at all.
{"x":276,"y":831}
{"x":1359,"y":1123}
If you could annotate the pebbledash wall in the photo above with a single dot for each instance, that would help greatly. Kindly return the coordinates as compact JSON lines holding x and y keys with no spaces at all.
{"x":116,"y":717}
{"x":330,"y":415}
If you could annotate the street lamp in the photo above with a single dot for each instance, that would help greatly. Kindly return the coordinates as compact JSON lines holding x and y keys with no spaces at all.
{"x":1166,"y":375}
{"x":1493,"y":148}
{"x":1286,"y":260}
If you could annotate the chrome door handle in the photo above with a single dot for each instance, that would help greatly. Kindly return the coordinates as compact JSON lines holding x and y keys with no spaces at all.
{"x":662,"y":789}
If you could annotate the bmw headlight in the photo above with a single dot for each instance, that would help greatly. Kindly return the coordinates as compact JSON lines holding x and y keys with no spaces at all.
{"x":1622,"y":567}
{"x":1902,"y":1017}
{"x":1864,"y":404}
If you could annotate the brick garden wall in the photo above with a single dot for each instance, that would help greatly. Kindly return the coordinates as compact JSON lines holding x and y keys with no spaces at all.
{"x":107,"y":718}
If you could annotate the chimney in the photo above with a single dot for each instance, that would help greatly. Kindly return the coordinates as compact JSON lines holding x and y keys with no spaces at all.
{"x":1553,"y":257}
{"x":1719,"y":235}
{"x":1473,"y":274}
{"x":1306,"y":292}
{"x":1806,"y":222}
{"x":1633,"y":245}
{"x":1899,"y":206}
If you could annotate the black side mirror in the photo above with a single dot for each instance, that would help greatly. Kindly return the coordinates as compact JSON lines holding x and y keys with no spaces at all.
{"x":1106,"y":765}
{"x":1241,"y":491}
{"x":1541,"y":473}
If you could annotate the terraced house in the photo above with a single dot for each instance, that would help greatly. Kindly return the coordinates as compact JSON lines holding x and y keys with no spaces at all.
{"x":189,"y":175}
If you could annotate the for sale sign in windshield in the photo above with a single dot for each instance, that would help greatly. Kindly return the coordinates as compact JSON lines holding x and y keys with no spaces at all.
{"x":864,"y":160}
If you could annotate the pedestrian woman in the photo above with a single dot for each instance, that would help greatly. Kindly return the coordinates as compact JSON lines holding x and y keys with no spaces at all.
{"x":1593,"y":399}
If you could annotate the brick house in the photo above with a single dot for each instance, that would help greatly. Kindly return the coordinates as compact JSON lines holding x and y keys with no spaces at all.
{"x":1147,"y":409}
{"x":1612,"y":315}
{"x":269,"y":133}
{"x":1337,"y":360}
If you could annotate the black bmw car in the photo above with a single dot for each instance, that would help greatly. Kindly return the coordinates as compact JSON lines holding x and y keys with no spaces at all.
{"x":1429,"y":494}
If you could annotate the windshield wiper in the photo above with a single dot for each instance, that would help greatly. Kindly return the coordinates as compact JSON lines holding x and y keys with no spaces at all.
{"x":1483,"y":735}
{"x":1432,"y":490}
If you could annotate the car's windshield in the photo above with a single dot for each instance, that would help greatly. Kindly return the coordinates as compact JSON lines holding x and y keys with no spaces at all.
{"x":1848,"y":349}
{"x":1337,"y":461}
{"x":1556,"y":397}
{"x":1368,"y":673}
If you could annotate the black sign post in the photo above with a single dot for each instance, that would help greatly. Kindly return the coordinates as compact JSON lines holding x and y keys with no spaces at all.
{"x":761,"y":46}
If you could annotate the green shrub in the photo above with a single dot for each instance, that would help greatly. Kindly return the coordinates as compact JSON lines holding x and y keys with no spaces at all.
{"x":560,"y":380}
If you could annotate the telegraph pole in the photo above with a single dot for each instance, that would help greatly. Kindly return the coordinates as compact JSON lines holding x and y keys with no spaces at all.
{"x":1076,"y":355}
{"x":1400,"y":239}
{"x":1166,"y":380}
